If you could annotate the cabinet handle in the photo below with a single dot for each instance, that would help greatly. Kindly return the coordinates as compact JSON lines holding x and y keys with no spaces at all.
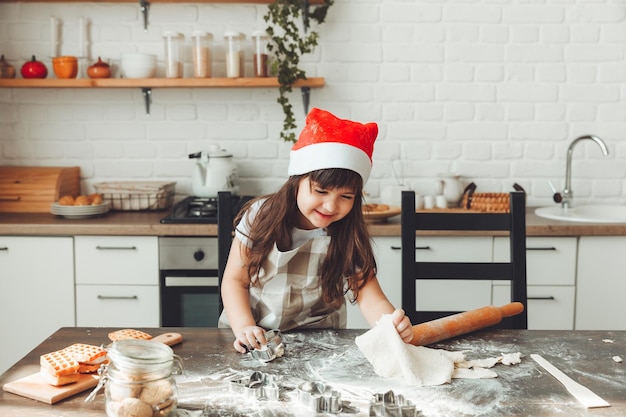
{"x":116,"y":247}
{"x":547,"y":297}
{"x":10,"y":198}
{"x":4,"y":248}
{"x":416,"y":248}
{"x":117,"y":297}
{"x":542,"y":248}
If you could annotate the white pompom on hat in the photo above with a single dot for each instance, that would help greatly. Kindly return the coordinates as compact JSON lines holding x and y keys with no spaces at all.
{"x":329,"y":142}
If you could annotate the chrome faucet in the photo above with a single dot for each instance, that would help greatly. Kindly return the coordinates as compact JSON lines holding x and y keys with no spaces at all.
{"x":565,"y":197}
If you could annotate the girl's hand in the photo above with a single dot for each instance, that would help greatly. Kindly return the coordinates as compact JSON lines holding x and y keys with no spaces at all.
{"x":248,"y":338}
{"x":403,"y":325}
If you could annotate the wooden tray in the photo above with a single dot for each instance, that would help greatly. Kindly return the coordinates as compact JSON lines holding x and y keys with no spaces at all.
{"x":381,"y":216}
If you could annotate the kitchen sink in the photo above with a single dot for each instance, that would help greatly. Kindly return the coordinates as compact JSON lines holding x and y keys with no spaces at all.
{"x":588,"y":214}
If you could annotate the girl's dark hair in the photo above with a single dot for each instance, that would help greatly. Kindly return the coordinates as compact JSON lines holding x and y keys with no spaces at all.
{"x":350,"y":255}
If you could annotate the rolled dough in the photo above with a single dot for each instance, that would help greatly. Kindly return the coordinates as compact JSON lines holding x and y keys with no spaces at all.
{"x":419,"y":365}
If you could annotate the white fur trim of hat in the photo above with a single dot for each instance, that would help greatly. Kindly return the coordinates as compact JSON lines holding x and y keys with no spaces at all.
{"x":329,"y":142}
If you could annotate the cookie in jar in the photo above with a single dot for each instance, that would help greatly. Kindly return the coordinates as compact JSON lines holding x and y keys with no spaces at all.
{"x":139,"y":380}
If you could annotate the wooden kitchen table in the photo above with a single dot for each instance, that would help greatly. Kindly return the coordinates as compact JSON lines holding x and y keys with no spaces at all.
{"x":332,"y":357}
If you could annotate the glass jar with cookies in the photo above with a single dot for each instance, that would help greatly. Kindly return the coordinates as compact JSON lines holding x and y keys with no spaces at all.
{"x":139,"y":380}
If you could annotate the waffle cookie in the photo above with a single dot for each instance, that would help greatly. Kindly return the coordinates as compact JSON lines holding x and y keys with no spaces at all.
{"x":59,"y":363}
{"x":61,"y":380}
{"x":59,"y":368}
{"x":128,"y":334}
{"x":89,"y":357}
{"x":84,"y":353}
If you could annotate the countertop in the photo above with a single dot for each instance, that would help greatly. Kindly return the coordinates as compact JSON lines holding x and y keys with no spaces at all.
{"x":128,"y":223}
{"x":331,"y":357}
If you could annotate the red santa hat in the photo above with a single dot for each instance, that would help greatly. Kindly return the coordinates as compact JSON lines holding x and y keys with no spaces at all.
{"x":329,"y":142}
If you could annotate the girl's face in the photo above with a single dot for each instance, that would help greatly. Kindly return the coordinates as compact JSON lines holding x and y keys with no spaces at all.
{"x":320,"y":207}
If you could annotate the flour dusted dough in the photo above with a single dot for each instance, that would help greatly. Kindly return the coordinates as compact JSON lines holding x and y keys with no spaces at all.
{"x":419,"y":365}
{"x":392,"y":358}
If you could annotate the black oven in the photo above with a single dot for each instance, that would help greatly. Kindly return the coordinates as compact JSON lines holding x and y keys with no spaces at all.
{"x":191,"y":267}
{"x":189,"y":281}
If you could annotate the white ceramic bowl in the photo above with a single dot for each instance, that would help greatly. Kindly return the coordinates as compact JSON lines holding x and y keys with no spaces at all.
{"x":137,"y":65}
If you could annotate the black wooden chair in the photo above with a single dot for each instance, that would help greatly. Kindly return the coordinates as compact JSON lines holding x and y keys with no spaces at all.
{"x":225,"y":229}
{"x":228,"y":207}
{"x":514,"y":271}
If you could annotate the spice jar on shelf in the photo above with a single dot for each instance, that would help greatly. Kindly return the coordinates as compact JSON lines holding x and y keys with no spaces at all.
{"x":201,"y":48}
{"x":234,"y":54}
{"x":173,"y":49}
{"x":259,"y":59}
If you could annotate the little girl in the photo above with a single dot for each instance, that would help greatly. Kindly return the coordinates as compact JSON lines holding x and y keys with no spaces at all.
{"x":298,"y":252}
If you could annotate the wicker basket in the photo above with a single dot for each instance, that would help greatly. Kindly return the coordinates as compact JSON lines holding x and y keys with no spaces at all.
{"x":137,"y":195}
{"x":489,"y":202}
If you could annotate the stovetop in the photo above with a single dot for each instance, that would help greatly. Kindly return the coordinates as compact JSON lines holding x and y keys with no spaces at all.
{"x":202,"y":210}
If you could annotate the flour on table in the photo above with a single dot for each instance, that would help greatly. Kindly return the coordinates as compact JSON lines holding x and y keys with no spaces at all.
{"x":419,"y":365}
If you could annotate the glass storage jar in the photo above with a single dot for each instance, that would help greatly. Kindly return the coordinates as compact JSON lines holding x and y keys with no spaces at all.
{"x":173,"y":54}
{"x":259,"y":41}
{"x":139,"y":379}
{"x":201,"y":54}
{"x":234,"y":54}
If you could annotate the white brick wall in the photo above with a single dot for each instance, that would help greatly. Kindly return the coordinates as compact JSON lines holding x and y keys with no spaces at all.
{"x":493,"y":91}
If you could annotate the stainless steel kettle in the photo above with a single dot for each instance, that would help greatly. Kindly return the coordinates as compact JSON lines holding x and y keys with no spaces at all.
{"x":214,"y":171}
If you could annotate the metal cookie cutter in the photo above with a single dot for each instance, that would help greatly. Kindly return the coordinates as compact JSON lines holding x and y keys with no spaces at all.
{"x":391,"y":405}
{"x":258,"y":386}
{"x":319,"y":397}
{"x":272,"y":349}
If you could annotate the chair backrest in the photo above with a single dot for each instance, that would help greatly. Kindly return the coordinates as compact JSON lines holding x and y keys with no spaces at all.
{"x":228,"y":207}
{"x":225,"y":229}
{"x":513,"y":222}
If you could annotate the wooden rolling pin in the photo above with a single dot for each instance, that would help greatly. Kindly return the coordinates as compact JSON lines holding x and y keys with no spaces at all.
{"x":462,"y":323}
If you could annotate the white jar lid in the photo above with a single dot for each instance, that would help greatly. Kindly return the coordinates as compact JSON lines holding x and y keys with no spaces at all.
{"x":201,"y":34}
{"x":173,"y":34}
{"x":233,"y":34}
{"x":260,"y":34}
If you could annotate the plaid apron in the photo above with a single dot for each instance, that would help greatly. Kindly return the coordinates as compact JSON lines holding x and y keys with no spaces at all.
{"x":288,"y":294}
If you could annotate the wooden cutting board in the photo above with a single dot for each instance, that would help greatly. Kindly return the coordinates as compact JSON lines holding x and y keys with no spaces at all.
{"x":35,"y":387}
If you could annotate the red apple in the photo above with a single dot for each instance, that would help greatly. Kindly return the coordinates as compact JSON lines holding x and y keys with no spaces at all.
{"x":34,"y":69}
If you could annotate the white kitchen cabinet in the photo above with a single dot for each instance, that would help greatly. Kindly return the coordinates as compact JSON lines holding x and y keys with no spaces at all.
{"x":388,"y":260}
{"x":117,"y":281}
{"x":601,"y":284}
{"x":551,"y":279}
{"x":453,"y":295}
{"x":36,"y":292}
{"x":436,"y":295}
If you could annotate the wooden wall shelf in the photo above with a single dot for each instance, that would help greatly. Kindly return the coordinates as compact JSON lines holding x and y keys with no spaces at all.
{"x":147,"y":84}
{"x":154,"y":1}
{"x":270,"y":82}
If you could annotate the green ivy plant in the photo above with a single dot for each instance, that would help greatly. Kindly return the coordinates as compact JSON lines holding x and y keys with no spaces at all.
{"x":290,"y":38}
